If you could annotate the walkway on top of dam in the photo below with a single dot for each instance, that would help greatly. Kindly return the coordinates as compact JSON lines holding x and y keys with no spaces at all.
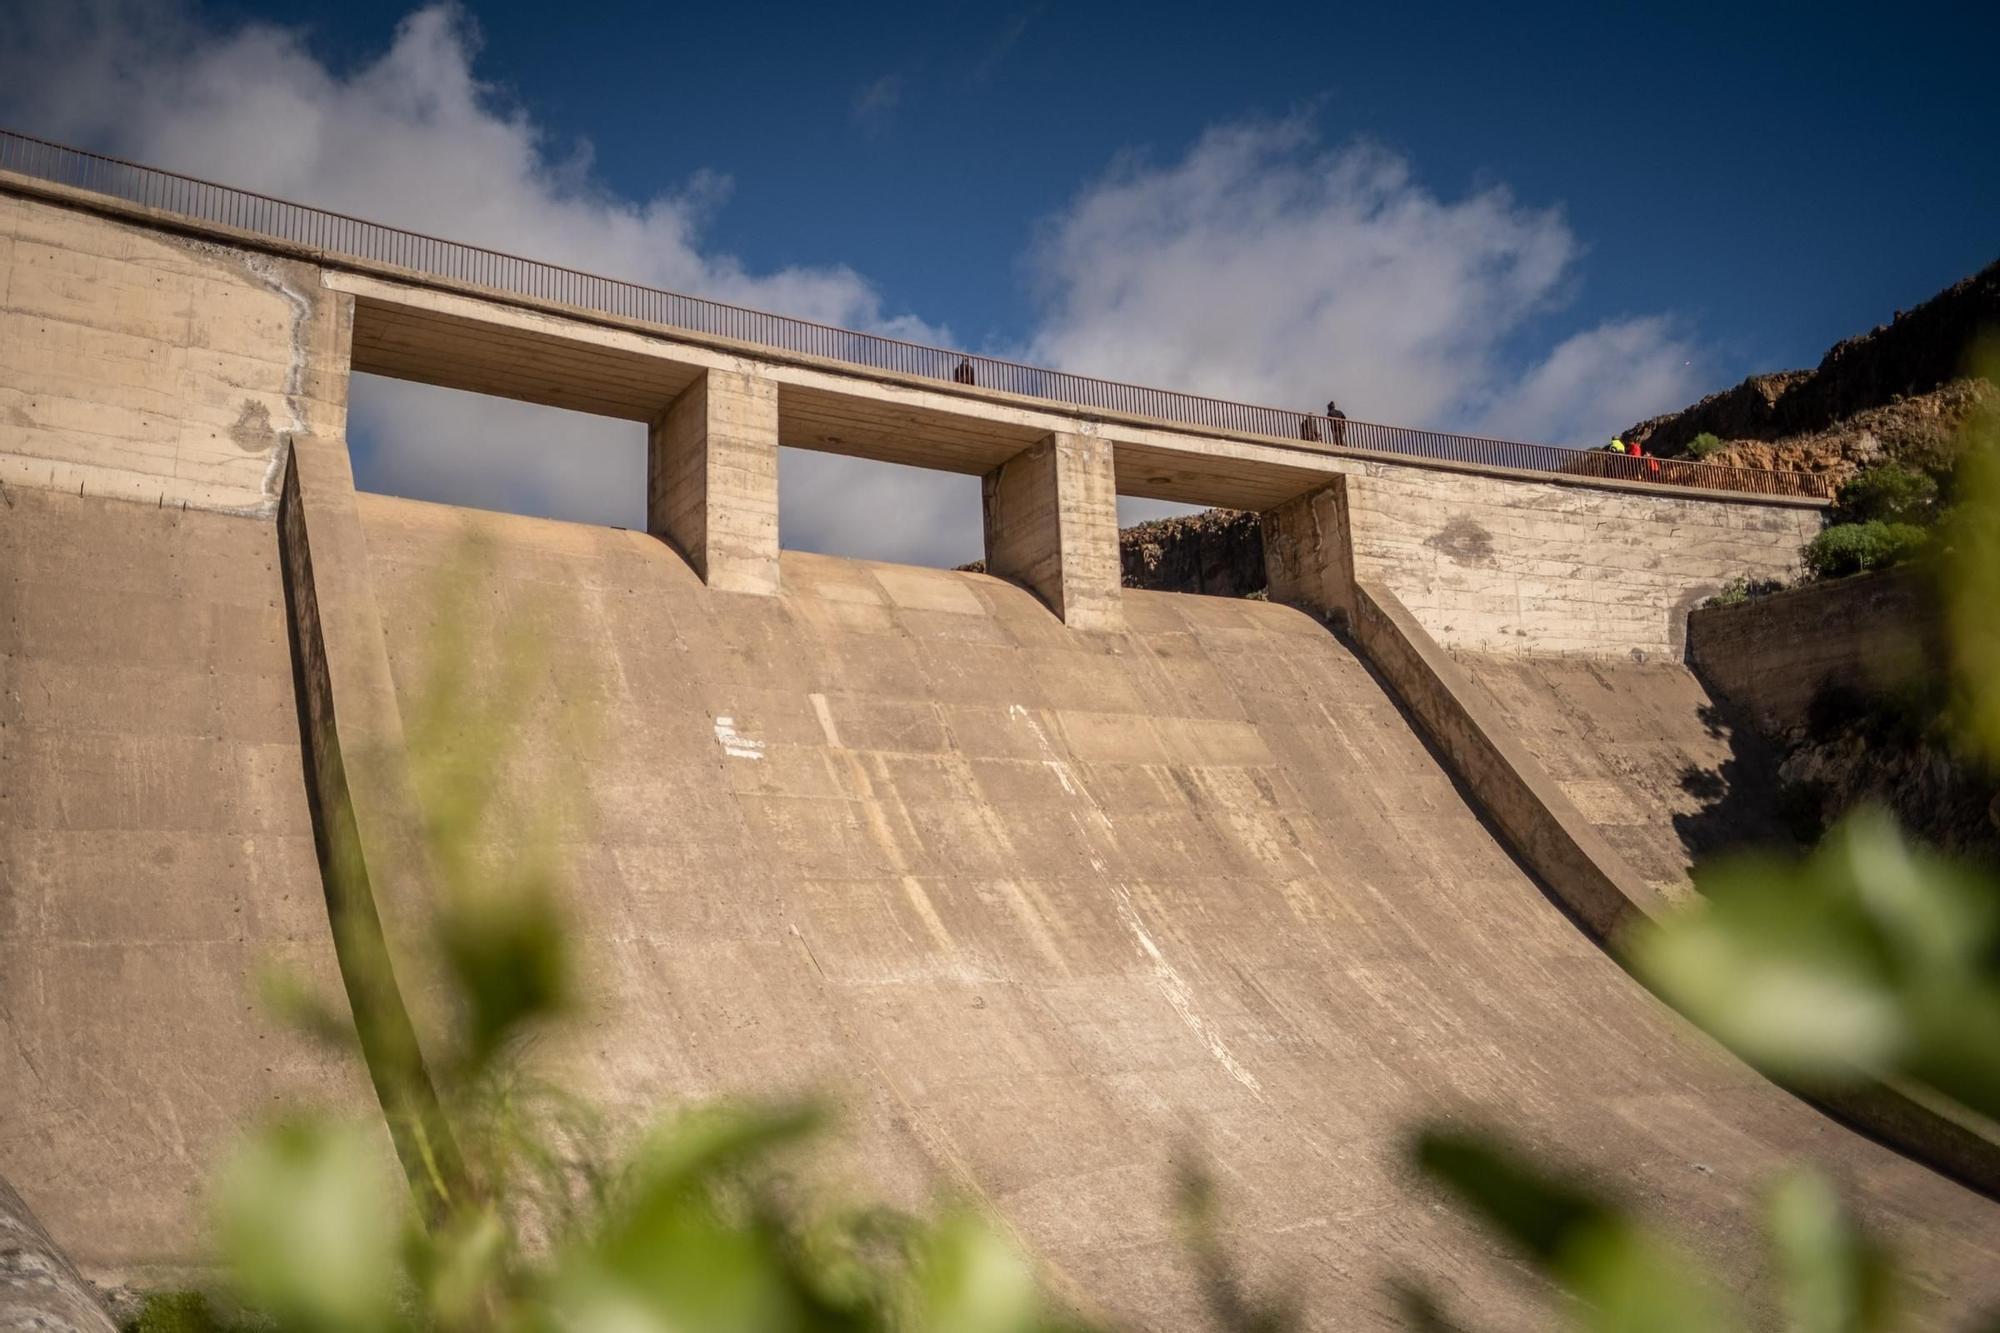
{"x":429,"y":346}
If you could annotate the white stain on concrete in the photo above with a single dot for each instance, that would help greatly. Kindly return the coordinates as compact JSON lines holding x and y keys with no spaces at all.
{"x":734,"y":743}
{"x":1179,"y":995}
{"x":825,"y":716}
{"x":1050,"y":760}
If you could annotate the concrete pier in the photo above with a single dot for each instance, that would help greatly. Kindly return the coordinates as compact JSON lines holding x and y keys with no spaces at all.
{"x":1052,"y":526}
{"x":712,"y":479}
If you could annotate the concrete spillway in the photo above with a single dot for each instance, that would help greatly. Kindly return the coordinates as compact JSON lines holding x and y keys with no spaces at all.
{"x":1039,"y":907}
{"x":1043,"y":880}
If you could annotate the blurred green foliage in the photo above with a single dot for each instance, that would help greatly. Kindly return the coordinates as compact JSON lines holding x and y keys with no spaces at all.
{"x":1704,"y":444}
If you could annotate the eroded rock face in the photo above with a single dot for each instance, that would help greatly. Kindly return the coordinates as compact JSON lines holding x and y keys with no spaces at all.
{"x":1899,"y":391}
{"x":1219,"y":552}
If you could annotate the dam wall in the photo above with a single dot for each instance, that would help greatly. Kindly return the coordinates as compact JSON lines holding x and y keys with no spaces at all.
{"x":1042,"y":906}
{"x":156,"y":857}
{"x":1043,"y":881}
{"x":215,"y":345}
{"x":145,"y":365}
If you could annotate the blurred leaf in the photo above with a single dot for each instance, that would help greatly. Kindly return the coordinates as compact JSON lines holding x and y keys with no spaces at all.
{"x":1973,"y":566}
{"x":177,"y":1312}
{"x":311,"y":1228}
{"x":1624,"y":1279}
{"x":1833,"y":1277}
{"x":507,"y":952}
{"x":970,"y":1279}
{"x":1868,"y":959}
{"x":461,"y":1266}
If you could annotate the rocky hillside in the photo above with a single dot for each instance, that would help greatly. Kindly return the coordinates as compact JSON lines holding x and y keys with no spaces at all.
{"x":1219,"y":552}
{"x":1898,"y":392}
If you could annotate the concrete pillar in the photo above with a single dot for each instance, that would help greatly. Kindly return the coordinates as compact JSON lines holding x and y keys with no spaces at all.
{"x":712,"y":480}
{"x":1052,"y":526}
{"x":1309,"y":553}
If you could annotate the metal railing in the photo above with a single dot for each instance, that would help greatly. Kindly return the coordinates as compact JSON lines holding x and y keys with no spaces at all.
{"x":337,"y":236}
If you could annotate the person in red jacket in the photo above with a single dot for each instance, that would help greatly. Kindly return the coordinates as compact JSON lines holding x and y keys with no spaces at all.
{"x":1638,"y":450}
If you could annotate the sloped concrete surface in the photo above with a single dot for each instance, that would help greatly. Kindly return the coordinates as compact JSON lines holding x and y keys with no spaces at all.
{"x":1666,"y":773}
{"x":1041,"y":907}
{"x":40,"y":1292}
{"x":155,"y":852}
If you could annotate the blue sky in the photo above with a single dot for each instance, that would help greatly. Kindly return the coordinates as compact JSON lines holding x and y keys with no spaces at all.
{"x":1781,"y":176}
{"x":1540,"y":224}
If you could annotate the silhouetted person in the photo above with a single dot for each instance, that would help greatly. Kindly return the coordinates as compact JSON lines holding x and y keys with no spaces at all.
{"x":963,"y":374}
{"x":1309,"y":429}
{"x":1338,"y":419}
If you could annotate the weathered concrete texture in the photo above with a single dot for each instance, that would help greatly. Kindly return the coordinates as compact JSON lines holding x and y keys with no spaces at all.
{"x":1507,"y":784}
{"x":150,"y":367}
{"x":1513,"y":566}
{"x":40,"y":1290}
{"x":155,"y":852}
{"x":1042,"y":907}
{"x":1662,"y":771}
{"x":712,"y":479}
{"x":1773,"y":655}
{"x":1309,"y":555}
{"x":1051,"y":515}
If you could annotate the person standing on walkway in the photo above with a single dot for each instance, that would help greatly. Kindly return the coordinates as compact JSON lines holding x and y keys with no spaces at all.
{"x":1339,"y":420}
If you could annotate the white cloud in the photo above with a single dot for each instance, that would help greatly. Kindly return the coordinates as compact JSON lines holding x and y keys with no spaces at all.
{"x":877,"y":102}
{"x":413,"y":137}
{"x":1262,"y":267}
{"x":1257,"y":266}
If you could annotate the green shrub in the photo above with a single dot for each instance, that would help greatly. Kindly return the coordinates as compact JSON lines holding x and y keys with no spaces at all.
{"x":1704,"y":444}
{"x":1741,"y":589}
{"x":1852,"y":548}
{"x":1888,"y":493}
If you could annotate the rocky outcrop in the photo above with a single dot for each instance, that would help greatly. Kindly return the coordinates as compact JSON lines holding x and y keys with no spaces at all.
{"x":1847,"y":678}
{"x":1218,"y":551}
{"x":1898,"y":391}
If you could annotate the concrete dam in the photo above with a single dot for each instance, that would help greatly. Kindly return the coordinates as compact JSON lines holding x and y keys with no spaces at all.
{"x":1044,"y":879}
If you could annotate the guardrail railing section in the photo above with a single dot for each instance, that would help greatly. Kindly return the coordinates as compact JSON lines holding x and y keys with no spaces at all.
{"x":339,"y":236}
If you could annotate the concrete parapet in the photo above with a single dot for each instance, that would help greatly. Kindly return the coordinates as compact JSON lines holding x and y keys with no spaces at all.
{"x":1051,"y":516}
{"x":712,"y":479}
